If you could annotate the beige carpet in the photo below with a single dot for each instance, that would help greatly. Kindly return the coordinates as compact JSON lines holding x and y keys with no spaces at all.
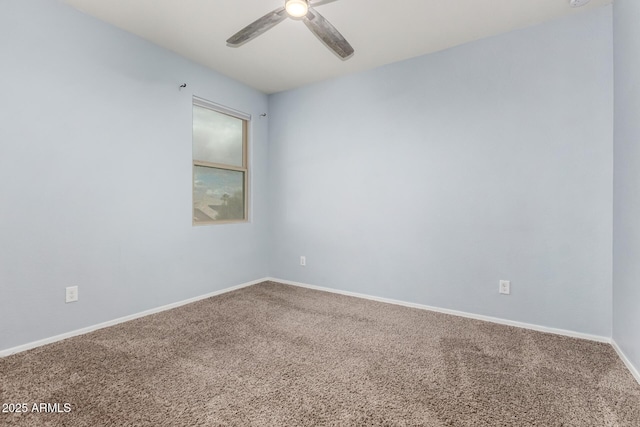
{"x":278,"y":355}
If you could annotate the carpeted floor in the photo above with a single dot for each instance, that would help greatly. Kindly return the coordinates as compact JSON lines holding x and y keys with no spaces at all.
{"x":278,"y":355}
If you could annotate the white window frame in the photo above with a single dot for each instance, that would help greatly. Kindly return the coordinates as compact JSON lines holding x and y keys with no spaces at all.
{"x":246,"y":119}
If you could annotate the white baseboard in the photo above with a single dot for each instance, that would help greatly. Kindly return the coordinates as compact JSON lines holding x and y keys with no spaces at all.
{"x":34,"y":344}
{"x":531,"y":326}
{"x":626,"y":361}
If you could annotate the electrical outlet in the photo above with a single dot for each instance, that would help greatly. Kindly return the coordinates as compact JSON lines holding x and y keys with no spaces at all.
{"x":303,"y":261}
{"x":505,"y":287}
{"x":72,"y":294}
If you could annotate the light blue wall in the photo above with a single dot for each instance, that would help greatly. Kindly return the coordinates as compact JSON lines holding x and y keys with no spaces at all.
{"x":95,"y":175}
{"x":431,"y":179}
{"x":426,"y":181}
{"x":626,"y":213}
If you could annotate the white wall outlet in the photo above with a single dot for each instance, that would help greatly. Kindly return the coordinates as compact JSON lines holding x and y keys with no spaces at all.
{"x":505,"y":287}
{"x":72,"y":294}
{"x":303,"y":260}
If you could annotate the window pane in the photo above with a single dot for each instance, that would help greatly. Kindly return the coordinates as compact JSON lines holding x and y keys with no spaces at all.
{"x":218,"y":194}
{"x":217,"y":137}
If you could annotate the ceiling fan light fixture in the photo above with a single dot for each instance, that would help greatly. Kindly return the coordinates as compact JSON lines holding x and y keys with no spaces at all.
{"x":297,"y":8}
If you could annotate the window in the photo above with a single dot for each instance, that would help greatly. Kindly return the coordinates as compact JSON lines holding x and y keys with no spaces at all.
{"x":220,"y":173}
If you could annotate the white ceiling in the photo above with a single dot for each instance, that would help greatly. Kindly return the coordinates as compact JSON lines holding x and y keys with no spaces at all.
{"x":289,"y":55}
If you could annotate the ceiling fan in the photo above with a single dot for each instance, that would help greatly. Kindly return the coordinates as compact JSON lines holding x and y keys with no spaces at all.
{"x":299,"y":10}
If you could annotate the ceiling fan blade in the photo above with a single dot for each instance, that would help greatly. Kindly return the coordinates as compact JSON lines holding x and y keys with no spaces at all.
{"x":258,"y":27}
{"x":328,"y":34}
{"x":320,"y":2}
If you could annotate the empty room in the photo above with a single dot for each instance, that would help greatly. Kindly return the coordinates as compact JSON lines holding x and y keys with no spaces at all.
{"x":320,"y":212}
